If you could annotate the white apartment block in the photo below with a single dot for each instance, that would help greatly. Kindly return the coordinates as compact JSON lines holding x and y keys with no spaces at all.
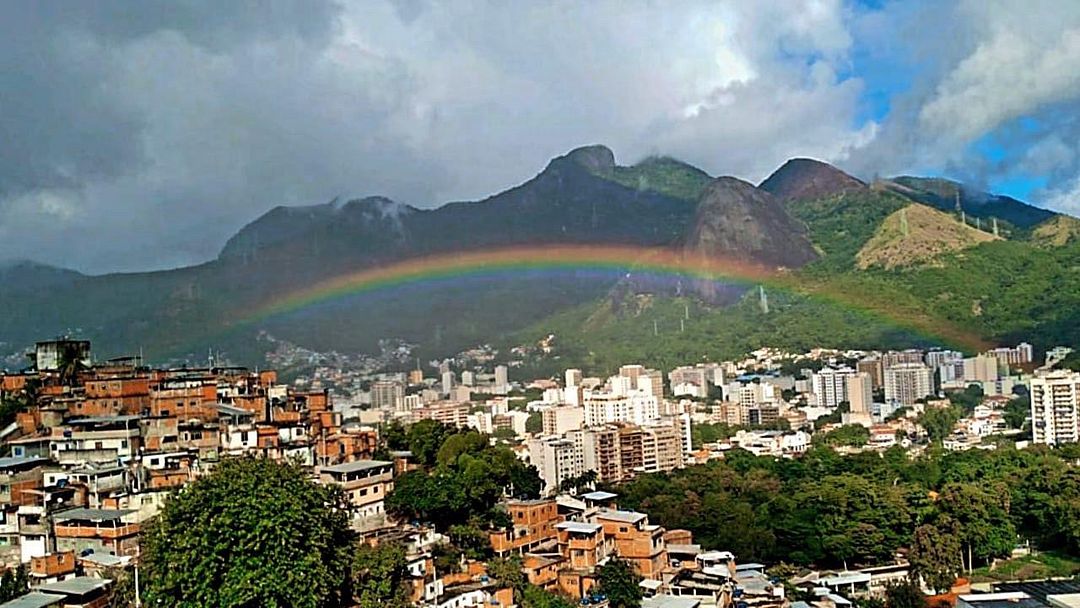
{"x":981,"y":369}
{"x":830,"y":385}
{"x":604,"y":408}
{"x":556,"y":459}
{"x":906,"y":383}
{"x":562,"y":419}
{"x":1055,"y":399}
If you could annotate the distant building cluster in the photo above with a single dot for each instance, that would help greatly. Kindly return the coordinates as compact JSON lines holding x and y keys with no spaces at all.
{"x":96,"y":447}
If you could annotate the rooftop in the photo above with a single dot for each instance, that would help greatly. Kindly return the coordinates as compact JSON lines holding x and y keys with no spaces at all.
{"x":630,"y":517}
{"x":92,"y":514}
{"x":232,"y":410}
{"x":80,"y":585}
{"x":599,"y":496}
{"x":669,"y":601}
{"x":34,"y":599}
{"x":578,"y":527}
{"x":845,"y":578}
{"x":105,"y":419}
{"x":356,"y":467}
{"x":14,"y":462}
{"x":1040,"y":589}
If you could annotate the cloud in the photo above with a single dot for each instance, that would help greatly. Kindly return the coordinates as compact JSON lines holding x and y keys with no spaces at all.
{"x":993,"y":97}
{"x":139,"y":136}
{"x":142,"y":137}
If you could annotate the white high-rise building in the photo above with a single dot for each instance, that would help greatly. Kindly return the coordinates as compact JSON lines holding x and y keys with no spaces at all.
{"x":502,"y":379}
{"x":1055,"y":401}
{"x":573,"y":378}
{"x":468,"y":378}
{"x":830,"y":385}
{"x":860,"y":397}
{"x":604,"y":408}
{"x":983,"y":368}
{"x":906,"y":383}
{"x":447,"y":382}
{"x":387,"y":395}
{"x":556,"y":460}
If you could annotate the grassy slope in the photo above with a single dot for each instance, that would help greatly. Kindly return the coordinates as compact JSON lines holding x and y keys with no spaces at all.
{"x":917,"y":235}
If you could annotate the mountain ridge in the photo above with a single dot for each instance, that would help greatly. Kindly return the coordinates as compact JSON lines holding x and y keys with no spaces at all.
{"x":807,"y":214}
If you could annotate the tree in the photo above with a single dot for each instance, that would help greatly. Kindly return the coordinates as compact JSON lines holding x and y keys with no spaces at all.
{"x":850,"y":435}
{"x":14,"y":583}
{"x":507,"y":571}
{"x":981,"y":520}
{"x":252,"y":533}
{"x":1017,"y":411}
{"x":536,"y":597}
{"x":904,"y":594}
{"x":534,"y":424}
{"x":380,"y":576}
{"x":939,"y":422}
{"x":122,"y":594}
{"x":935,"y":557}
{"x":619,"y":583}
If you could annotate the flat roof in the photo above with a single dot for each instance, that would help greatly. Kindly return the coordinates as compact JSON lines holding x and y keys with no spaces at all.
{"x":103,"y":559}
{"x":754,"y":566}
{"x":104,"y":419}
{"x":1041,"y":589}
{"x":670,"y":601}
{"x":92,"y":514}
{"x":34,"y":599}
{"x":14,"y":462}
{"x":80,"y":585}
{"x":847,"y":578}
{"x":630,"y":517}
{"x":356,"y":466}
{"x":577,"y":526}
{"x":684,"y":549}
{"x":1064,"y":600}
{"x":232,"y":410}
{"x":599,"y":495}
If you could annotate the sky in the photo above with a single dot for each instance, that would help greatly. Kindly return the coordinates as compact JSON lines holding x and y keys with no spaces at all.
{"x":141,"y":135}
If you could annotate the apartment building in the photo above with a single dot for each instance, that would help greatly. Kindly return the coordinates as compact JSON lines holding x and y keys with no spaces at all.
{"x":365,"y":482}
{"x":906,"y":383}
{"x":533,"y":527}
{"x":1055,"y":407}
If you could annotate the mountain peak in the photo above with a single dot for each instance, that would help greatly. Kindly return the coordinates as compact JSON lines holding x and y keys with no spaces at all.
{"x":736,"y":219}
{"x":808,"y":178}
{"x":596,"y":158}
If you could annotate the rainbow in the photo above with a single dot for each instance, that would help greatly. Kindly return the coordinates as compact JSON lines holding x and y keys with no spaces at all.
{"x":608,"y":259}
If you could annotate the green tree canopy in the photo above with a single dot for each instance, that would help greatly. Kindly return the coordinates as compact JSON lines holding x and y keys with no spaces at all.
{"x":252,"y":533}
{"x":619,"y":583}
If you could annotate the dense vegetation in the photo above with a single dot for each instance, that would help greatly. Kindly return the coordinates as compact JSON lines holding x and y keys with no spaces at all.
{"x":252,"y":533}
{"x":664,"y":175}
{"x":830,"y":510}
{"x":601,"y":339}
{"x":461,"y":482}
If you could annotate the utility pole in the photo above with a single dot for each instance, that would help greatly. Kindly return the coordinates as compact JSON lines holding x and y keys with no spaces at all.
{"x":655,"y":329}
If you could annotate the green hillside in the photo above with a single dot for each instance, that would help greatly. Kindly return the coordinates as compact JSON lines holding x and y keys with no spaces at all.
{"x":997,"y":291}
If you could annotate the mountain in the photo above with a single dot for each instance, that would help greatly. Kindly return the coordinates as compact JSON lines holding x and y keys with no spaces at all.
{"x":943,"y":194}
{"x":884,"y":264}
{"x":583,"y":197}
{"x":806,"y":178}
{"x":735,"y":219}
{"x":26,"y":275}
